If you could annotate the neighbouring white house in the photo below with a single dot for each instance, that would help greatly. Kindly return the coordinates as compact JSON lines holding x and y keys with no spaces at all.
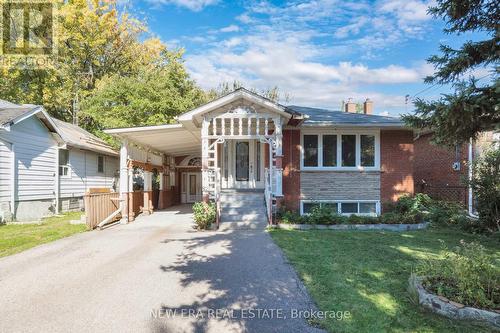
{"x":47,"y":165}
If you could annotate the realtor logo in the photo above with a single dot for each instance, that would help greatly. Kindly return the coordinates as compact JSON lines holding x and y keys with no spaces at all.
{"x":28,"y":31}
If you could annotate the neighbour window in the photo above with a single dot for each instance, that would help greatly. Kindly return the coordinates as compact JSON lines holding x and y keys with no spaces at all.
{"x":368,"y":150}
{"x":64,"y":163}
{"x":100,"y":164}
{"x":311,"y":150}
{"x":349,"y":150}
{"x":329,"y":150}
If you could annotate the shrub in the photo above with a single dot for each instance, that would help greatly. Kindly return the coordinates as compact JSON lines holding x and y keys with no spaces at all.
{"x":290,"y":217}
{"x":321,"y":215}
{"x":467,"y":275}
{"x":413,"y":204}
{"x":204,"y":214}
{"x":358,"y":219}
{"x":486,"y":186}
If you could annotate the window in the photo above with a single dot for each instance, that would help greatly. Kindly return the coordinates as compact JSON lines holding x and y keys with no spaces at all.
{"x":307,"y":207}
{"x":100,"y":164}
{"x":311,"y":150}
{"x":64,"y":163}
{"x":342,"y":207}
{"x":349,"y":207}
{"x":368,"y":150}
{"x":349,"y":150}
{"x":329,"y":150}
{"x":339,"y":149}
{"x":367,"y":208}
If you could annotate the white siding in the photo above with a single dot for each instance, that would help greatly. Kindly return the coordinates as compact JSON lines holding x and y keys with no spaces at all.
{"x":34,"y":149}
{"x":5,"y":171}
{"x":83,"y":173}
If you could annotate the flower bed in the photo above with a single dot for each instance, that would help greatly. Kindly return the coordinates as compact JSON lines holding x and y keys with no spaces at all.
{"x":449,"y":308}
{"x":463,"y":285}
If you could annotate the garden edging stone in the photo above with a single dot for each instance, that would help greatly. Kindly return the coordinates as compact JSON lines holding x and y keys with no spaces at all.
{"x":388,"y":227}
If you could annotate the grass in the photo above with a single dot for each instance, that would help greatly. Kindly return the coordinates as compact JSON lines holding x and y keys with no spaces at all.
{"x":366,"y":273}
{"x":15,"y":238}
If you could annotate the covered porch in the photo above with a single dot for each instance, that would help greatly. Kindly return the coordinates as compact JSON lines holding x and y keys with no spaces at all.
{"x":234,"y":142}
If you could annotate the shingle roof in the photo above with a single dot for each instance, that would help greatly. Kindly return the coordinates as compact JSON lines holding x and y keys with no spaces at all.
{"x":8,"y":114}
{"x":78,"y":137}
{"x":330,"y":117}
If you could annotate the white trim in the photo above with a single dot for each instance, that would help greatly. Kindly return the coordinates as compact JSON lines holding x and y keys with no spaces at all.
{"x":13,"y":183}
{"x":241,"y":93}
{"x":339,"y":134}
{"x":376,"y":202}
{"x":141,"y":128}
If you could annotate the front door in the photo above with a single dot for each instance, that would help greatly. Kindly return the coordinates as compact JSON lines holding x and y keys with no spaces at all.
{"x":192,"y":187}
{"x":243,"y":166}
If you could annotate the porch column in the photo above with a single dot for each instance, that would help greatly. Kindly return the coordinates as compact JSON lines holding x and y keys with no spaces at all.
{"x":279,"y":158}
{"x":204,"y":161}
{"x":147,"y":209}
{"x":161,"y":204}
{"x":124,"y":181}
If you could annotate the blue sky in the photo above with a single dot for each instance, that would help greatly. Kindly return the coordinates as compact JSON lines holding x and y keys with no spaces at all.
{"x":319,"y":52}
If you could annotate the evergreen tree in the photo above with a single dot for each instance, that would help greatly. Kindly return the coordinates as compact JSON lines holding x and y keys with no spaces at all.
{"x":474,"y":105}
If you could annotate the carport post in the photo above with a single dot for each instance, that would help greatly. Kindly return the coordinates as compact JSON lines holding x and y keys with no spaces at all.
{"x":124,"y":181}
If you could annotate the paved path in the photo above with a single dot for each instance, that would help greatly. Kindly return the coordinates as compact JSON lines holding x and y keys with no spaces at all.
{"x":118,"y":279}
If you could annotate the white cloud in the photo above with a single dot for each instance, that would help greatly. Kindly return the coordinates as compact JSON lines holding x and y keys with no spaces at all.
{"x":230,"y":28}
{"x":194,"y":5}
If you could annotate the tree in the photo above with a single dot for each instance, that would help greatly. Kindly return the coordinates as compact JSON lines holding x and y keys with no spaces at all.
{"x":95,"y":41}
{"x":473,"y":107}
{"x":155,"y":95}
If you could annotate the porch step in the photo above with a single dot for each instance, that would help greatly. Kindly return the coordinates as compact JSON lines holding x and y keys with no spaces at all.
{"x":242,"y":210}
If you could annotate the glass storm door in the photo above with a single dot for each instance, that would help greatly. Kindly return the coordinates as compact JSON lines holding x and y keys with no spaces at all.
{"x":243,"y":167}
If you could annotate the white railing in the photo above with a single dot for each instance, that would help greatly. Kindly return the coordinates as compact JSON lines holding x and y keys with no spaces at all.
{"x":268,"y":195}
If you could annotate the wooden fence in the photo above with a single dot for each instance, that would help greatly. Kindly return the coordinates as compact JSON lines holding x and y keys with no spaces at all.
{"x":98,"y":206}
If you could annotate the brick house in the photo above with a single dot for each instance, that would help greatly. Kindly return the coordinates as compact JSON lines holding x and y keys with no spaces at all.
{"x":291,"y":156}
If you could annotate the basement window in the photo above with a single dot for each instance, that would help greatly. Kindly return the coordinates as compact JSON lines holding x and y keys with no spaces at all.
{"x":370,"y":208}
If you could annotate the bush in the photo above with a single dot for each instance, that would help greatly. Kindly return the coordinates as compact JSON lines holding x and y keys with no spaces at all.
{"x":413,"y":204}
{"x":486,"y":186}
{"x":357,"y":219}
{"x":467,"y":275}
{"x":290,"y":217}
{"x":321,"y":215}
{"x":204,"y":215}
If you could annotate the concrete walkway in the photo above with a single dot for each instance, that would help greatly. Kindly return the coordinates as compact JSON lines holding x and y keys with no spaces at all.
{"x":120,"y":279}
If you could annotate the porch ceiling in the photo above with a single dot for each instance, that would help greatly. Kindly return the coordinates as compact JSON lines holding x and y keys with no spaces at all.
{"x":169,"y":139}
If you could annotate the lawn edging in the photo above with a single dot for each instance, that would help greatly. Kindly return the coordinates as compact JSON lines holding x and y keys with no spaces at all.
{"x":445,"y":307}
{"x":387,"y":227}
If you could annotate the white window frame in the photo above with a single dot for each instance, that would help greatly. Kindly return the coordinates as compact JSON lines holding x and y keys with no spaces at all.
{"x":339,"y":205}
{"x":339,"y":134}
{"x":103,"y":164}
{"x":66,"y":167}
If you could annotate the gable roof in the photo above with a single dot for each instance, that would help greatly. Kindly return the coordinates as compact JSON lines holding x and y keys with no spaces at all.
{"x":77,"y":137}
{"x":325,"y":117}
{"x":240,"y":93}
{"x":9,"y":114}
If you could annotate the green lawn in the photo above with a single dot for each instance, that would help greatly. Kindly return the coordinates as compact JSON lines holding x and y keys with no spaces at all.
{"x":366,"y":273}
{"x":17,"y":238}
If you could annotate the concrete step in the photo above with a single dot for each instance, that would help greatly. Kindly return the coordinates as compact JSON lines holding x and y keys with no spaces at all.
{"x":242,"y":210}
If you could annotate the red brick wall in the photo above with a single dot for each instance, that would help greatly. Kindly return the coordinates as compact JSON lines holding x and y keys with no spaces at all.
{"x":291,"y":169}
{"x":434,"y":173}
{"x":396,"y":161}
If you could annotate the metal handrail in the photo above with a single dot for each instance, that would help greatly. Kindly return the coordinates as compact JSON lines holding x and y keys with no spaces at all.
{"x":268,"y":195}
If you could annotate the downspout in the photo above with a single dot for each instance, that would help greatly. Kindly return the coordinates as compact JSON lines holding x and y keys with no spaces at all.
{"x":13,"y":183}
{"x":470,"y":205}
{"x":56,"y":181}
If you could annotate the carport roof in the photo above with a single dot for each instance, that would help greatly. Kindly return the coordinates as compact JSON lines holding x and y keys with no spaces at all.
{"x":171,"y":139}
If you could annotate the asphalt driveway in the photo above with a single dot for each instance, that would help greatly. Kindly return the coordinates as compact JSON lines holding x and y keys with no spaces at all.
{"x":154,"y":275}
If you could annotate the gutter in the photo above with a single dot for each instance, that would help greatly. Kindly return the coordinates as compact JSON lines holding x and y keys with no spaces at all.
{"x":470,"y":206}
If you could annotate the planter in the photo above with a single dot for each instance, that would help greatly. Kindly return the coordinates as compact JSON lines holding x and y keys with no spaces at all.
{"x":450,"y":309}
{"x":387,"y":227}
